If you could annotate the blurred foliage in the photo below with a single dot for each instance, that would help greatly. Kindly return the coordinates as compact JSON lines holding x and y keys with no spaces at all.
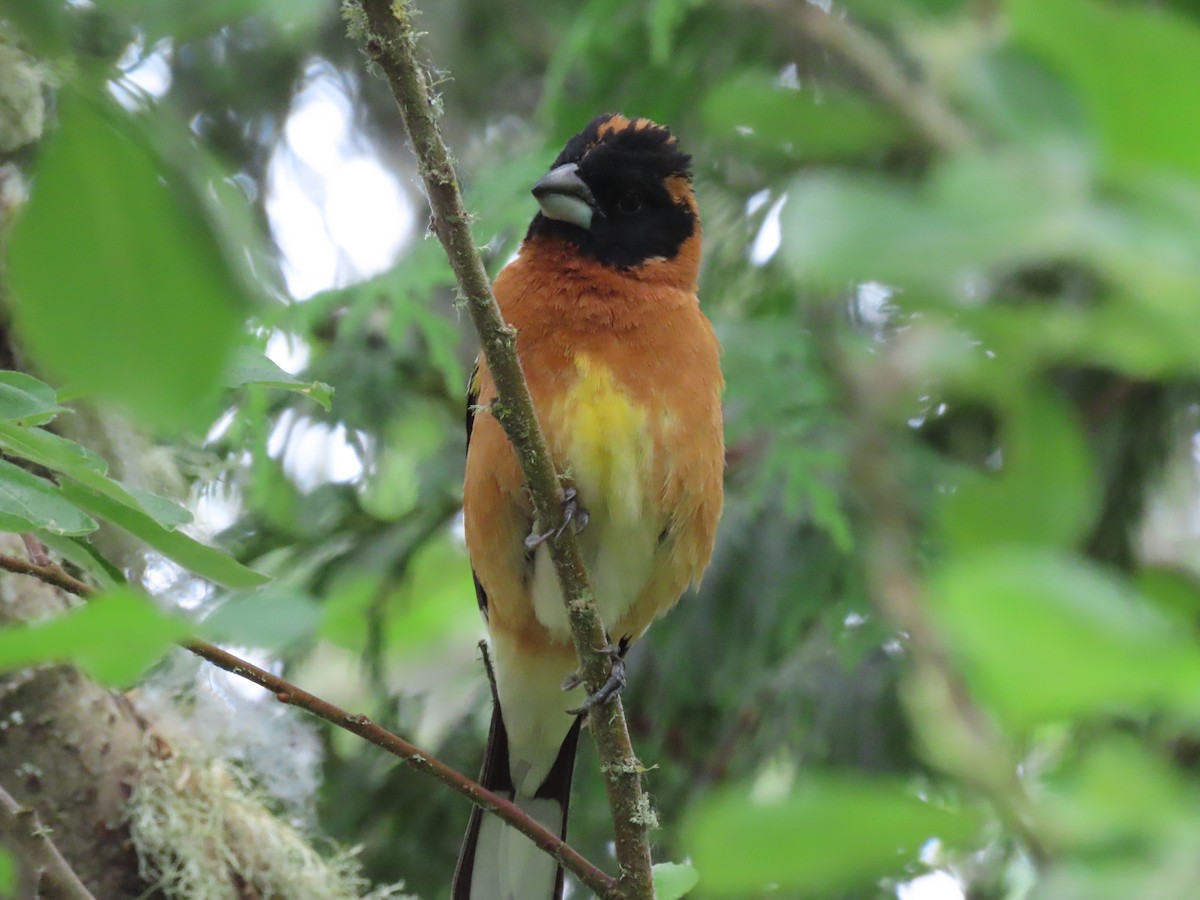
{"x":114,"y":638}
{"x":989,"y":213}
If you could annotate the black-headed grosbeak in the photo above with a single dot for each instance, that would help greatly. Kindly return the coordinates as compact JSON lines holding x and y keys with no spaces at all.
{"x":625,"y":377}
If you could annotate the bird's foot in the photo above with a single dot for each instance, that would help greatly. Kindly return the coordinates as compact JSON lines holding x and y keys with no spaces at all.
{"x":573,"y":514}
{"x":613,"y":686}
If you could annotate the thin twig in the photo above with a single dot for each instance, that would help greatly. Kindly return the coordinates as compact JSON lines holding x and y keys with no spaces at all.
{"x":38,"y":853}
{"x":923,"y":109}
{"x":286,"y":692}
{"x":391,"y":44}
{"x":51,"y":574}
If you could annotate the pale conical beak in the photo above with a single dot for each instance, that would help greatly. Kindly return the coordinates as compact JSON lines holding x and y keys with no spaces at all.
{"x":562,"y":195}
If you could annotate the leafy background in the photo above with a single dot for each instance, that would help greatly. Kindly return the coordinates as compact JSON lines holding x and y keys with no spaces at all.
{"x":953,"y":256}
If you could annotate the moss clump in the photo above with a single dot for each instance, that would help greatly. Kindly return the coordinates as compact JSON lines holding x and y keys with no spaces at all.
{"x":202,"y":833}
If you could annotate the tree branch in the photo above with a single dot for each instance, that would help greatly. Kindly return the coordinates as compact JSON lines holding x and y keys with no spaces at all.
{"x":390,"y":41}
{"x":39,"y":856}
{"x":286,"y":692}
{"x":51,"y":574}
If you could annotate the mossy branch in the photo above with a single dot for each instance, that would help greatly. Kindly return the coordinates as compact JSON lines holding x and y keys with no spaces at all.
{"x":390,"y":41}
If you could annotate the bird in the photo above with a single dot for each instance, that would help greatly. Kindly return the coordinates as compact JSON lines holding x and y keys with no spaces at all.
{"x":624,"y":371}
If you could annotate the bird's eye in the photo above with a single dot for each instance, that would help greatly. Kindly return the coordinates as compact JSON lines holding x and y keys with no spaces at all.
{"x":630,"y":202}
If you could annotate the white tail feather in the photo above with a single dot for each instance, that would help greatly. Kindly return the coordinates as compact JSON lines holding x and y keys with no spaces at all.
{"x":508,"y":866}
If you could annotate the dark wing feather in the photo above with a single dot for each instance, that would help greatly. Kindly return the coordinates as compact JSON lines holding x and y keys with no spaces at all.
{"x":472,"y":399}
{"x":472,"y":402}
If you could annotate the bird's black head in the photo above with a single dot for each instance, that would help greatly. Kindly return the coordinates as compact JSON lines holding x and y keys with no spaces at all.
{"x":621,"y":192}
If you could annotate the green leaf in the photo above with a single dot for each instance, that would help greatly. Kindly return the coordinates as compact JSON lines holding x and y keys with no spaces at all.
{"x":441,"y":337}
{"x":1118,"y":791}
{"x":344,"y":612}
{"x":82,"y":465}
{"x":28,"y":503}
{"x":118,"y":282}
{"x":208,"y":562}
{"x":1175,"y":592}
{"x":252,"y":366}
{"x":663,"y":19}
{"x":1045,"y":637}
{"x":672,"y":880}
{"x":8,"y":873}
{"x":249,"y":365}
{"x":1021,"y":98}
{"x":832,"y":834}
{"x":39,"y":21}
{"x":887,"y":10}
{"x":979,"y":212}
{"x":1044,"y":493}
{"x":421,"y":611}
{"x":187,"y":21}
{"x":167,"y":513}
{"x":809,"y":123}
{"x":114,"y":638}
{"x":24,"y":397}
{"x":50,"y":450}
{"x":1137,"y":104}
{"x":424,"y":609}
{"x":270,"y":618}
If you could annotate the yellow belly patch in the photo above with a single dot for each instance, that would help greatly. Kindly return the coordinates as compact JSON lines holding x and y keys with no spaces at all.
{"x":604,"y":439}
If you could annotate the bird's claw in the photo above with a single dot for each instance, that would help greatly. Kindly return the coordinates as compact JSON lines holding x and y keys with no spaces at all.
{"x":613,"y":686}
{"x":573,"y":513}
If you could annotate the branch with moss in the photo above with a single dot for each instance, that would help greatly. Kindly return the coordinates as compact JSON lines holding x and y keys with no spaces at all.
{"x":391,"y":42}
{"x":39,"y":859}
{"x":286,"y":692}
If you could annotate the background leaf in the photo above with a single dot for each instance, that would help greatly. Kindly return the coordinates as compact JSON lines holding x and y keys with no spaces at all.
{"x":272,"y":618}
{"x":114,"y":638}
{"x":1045,"y":637}
{"x":40,"y":23}
{"x":672,"y":880}
{"x":24,"y":397}
{"x":88,"y":469}
{"x":1044,"y":493}
{"x":1136,"y":105}
{"x":28,"y":503}
{"x":143,"y":274}
{"x":831,"y":834}
{"x":251,"y":366}
{"x":205,"y":561}
{"x":804,"y":122}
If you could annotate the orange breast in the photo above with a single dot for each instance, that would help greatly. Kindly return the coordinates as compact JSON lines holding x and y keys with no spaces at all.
{"x":626,"y":381}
